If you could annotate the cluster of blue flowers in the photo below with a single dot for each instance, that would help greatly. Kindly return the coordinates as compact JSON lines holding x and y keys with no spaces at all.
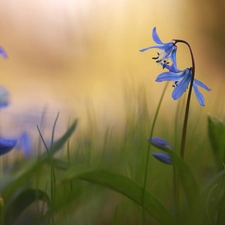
{"x":181,"y":78}
{"x":23,"y":141}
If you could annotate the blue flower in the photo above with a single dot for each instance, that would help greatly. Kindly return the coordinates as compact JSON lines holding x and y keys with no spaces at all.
{"x":169,"y":50}
{"x":4,"y":97}
{"x":162,"y":157}
{"x":181,"y":79}
{"x":6,"y":145}
{"x":163,"y":145}
{"x":3,"y":53}
{"x":160,"y":143}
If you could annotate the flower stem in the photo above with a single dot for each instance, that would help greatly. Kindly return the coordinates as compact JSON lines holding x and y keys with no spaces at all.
{"x":183,"y":139}
{"x":177,"y":183}
{"x":148,"y":153}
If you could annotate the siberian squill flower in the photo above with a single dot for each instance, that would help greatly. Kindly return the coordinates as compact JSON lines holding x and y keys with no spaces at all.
{"x":163,"y":145}
{"x":181,"y":79}
{"x":3,"y":53}
{"x":6,"y":145}
{"x":169,"y":50}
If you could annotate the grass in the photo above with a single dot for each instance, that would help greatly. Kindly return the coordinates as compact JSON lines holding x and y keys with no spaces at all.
{"x":83,"y":179}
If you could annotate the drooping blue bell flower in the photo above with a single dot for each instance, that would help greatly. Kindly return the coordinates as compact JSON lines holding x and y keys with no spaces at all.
{"x":168,"y":50}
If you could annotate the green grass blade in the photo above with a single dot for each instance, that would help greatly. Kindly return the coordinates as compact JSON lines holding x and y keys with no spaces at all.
{"x":216,"y":131}
{"x":186,"y":177}
{"x":207,"y":204}
{"x":22,"y":201}
{"x":126,"y":187}
{"x":10,"y":183}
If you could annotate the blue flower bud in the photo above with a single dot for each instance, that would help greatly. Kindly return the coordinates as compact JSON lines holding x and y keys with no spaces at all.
{"x":162,"y":157}
{"x":160,"y":143}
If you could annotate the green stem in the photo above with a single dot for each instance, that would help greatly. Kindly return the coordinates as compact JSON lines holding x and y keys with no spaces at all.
{"x":148,"y":153}
{"x":184,"y":132}
{"x":177,"y":183}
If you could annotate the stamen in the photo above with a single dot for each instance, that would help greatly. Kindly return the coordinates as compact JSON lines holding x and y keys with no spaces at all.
{"x":158,"y":54}
{"x":175,"y":84}
{"x":155,"y":57}
{"x":165,"y":62}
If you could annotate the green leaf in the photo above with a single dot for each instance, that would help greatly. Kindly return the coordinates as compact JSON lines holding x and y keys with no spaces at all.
{"x":11,"y":182}
{"x":213,"y":197}
{"x":186,"y":177}
{"x":216,"y":131}
{"x":22,"y":201}
{"x":125,"y":186}
{"x":207,"y":204}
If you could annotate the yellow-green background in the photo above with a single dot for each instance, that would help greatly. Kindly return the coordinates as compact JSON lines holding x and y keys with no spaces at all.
{"x":65,"y":54}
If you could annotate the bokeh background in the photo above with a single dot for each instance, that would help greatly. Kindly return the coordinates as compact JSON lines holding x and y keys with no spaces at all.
{"x":70,"y":55}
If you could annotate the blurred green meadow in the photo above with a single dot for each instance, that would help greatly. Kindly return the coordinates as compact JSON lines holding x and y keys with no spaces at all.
{"x":82,"y":59}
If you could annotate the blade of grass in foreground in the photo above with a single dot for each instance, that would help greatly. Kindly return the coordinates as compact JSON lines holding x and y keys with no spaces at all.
{"x":126,"y":187}
{"x":186,"y":177}
{"x":207,"y":205}
{"x":22,"y":201}
{"x":10,"y":183}
{"x":216,"y":131}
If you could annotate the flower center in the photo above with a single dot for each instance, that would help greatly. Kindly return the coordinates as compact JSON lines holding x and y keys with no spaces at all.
{"x":166,"y":55}
{"x":175,"y":84}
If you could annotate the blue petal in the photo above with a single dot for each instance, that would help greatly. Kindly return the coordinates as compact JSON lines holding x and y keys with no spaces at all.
{"x":3,"y":53}
{"x":160,"y":143}
{"x":198,"y":95}
{"x":150,"y":47}
{"x":168,"y":76}
{"x":155,"y":36}
{"x":183,"y":85}
{"x":199,"y":83}
{"x":173,"y":67}
{"x":162,"y":157}
{"x":6,"y":145}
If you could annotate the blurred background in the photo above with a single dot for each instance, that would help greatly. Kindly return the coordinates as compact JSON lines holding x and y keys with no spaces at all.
{"x":70,"y":55}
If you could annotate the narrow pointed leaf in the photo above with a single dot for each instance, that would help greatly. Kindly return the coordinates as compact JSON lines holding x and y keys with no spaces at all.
{"x":207,"y":204}
{"x":22,"y":201}
{"x":186,"y":177}
{"x":126,"y":187}
{"x":216,"y":131}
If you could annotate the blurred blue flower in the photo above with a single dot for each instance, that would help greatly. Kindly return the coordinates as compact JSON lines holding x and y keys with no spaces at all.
{"x":162,"y":157}
{"x":4,"y":97}
{"x":163,"y":145}
{"x":6,"y":145}
{"x":181,"y":79}
{"x":24,"y":143}
{"x":160,"y":143}
{"x":169,"y":50}
{"x":3,"y":53}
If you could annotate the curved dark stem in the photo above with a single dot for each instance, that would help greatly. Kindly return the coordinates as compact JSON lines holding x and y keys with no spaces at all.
{"x":183,"y":140}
